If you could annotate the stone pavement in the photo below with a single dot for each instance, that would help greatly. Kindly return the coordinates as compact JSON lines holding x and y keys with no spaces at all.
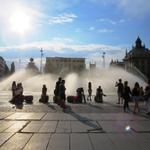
{"x":88,"y":126}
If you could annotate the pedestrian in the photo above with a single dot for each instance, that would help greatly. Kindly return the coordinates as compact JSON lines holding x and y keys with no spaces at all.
{"x":56,"y":90}
{"x":126,"y":96}
{"x":80,"y":95}
{"x":141,"y":93}
{"x":44,"y":96}
{"x":136,"y":97}
{"x":13,"y":88}
{"x":99,"y":95}
{"x":89,"y":91}
{"x":44,"y":90}
{"x":62,"y":95}
{"x":147,"y":97}
{"x":119,"y":91}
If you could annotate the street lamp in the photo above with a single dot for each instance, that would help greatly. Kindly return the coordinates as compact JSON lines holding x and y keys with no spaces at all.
{"x":19,"y":64}
{"x":41,"y":64}
{"x":103,"y":57}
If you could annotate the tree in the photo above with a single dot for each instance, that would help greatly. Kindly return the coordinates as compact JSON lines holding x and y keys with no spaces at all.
{"x":6,"y":70}
{"x":12,"y":69}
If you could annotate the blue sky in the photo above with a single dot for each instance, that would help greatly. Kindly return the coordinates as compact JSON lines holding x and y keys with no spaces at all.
{"x":72,"y":28}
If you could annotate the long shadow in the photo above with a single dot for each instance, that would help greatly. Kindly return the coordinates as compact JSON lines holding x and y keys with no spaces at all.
{"x":51,"y":106}
{"x":95,"y":106}
{"x":83,"y":119}
{"x":17,"y":105}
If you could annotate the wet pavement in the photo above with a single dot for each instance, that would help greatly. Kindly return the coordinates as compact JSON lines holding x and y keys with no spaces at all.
{"x":88,"y":126}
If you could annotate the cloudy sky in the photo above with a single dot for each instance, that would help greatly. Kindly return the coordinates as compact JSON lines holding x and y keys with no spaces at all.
{"x":72,"y":28}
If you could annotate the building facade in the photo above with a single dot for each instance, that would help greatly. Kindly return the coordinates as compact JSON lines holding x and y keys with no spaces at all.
{"x":138,"y":58}
{"x":92,"y":66}
{"x":116,"y":63}
{"x":62,"y":65}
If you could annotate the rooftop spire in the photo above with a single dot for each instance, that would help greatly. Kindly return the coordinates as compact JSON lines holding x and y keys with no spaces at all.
{"x":138,"y":43}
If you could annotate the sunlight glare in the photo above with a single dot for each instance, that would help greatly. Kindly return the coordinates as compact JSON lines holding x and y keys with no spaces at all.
{"x":20,"y":22}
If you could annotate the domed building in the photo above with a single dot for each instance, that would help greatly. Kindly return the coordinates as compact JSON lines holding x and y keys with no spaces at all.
{"x":32,"y":67}
{"x":138,"y":58}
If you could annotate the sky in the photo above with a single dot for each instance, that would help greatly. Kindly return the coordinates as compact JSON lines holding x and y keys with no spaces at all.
{"x":72,"y":28}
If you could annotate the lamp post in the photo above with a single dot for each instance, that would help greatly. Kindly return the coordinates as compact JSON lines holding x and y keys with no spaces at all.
{"x":103,"y":57}
{"x":41,"y":63}
{"x":19,"y":64}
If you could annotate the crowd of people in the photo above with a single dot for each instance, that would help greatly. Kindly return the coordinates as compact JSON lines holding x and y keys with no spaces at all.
{"x":124,"y":92}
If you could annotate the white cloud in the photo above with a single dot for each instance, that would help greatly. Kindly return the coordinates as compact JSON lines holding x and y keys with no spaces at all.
{"x":121,"y":21}
{"x":60,"y":45}
{"x":63,"y":18}
{"x":108,"y":21}
{"x":92,"y":28}
{"x":78,"y":30}
{"x":105,"y":30}
{"x":113,"y":22}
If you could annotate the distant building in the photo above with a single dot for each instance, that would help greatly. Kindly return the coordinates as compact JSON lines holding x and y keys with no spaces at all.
{"x":136,"y":60}
{"x":32,"y":67}
{"x":138,"y":57}
{"x":61,"y":65}
{"x":92,"y":66}
{"x":116,"y":63}
{"x":3,"y":67}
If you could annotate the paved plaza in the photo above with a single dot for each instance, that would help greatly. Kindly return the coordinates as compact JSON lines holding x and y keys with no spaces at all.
{"x":88,"y":126}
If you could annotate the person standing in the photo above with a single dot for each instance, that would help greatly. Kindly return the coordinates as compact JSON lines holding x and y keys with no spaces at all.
{"x":126,"y":96}
{"x":89,"y":91}
{"x":56,"y":90}
{"x":136,"y":97}
{"x":62,"y":95}
{"x":147,"y":97}
{"x":57,"y":86}
{"x":44,"y":90}
{"x":119,"y":91}
{"x":13,"y":88}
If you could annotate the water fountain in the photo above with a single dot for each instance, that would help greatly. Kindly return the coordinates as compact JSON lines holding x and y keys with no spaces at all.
{"x":105,"y":77}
